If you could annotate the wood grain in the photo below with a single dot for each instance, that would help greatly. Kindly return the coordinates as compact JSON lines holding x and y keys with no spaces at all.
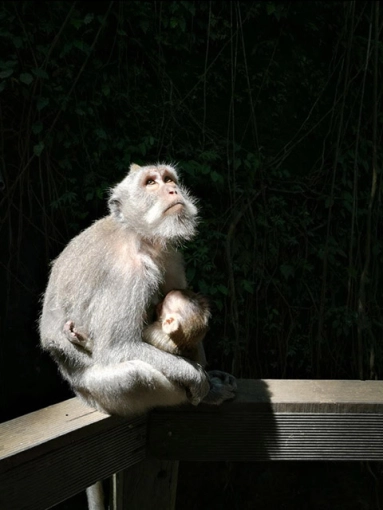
{"x":276,"y":420}
{"x":56,"y":452}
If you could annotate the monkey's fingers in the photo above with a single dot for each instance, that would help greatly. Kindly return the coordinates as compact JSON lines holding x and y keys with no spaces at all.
{"x":193,"y":399}
{"x":218,"y":393}
{"x":199,"y":388}
{"x":225,"y":378}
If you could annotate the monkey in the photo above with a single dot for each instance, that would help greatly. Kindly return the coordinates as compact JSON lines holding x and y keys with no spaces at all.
{"x":106,"y":279}
{"x":180,"y":326}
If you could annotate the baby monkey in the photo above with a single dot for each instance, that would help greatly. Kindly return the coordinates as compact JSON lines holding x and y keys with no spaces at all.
{"x":180,"y":326}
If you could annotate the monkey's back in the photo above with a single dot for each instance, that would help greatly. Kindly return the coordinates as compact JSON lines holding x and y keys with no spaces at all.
{"x":93,"y":282}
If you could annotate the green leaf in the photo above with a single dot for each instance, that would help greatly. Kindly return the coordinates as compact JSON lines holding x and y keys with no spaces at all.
{"x":247,"y":286}
{"x":38,"y":149}
{"x":144,"y":24}
{"x":37,"y":127}
{"x":42,"y":102}
{"x":40,"y":73}
{"x":26,"y":78}
{"x":190,"y":273}
{"x":287,"y":271}
{"x":203,"y":287}
{"x":223,"y":289}
{"x":76,"y":23}
{"x":216,"y":177}
{"x":101,"y":133}
{"x":6,"y":73}
{"x":88,"y":18}
{"x":17,"y":41}
{"x":81,"y":45}
{"x":204,"y":169}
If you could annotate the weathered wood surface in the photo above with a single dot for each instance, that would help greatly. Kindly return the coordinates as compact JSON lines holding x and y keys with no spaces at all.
{"x":52,"y":454}
{"x":277,"y":420}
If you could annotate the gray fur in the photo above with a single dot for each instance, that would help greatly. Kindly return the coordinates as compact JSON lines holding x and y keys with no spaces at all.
{"x":106,"y":279}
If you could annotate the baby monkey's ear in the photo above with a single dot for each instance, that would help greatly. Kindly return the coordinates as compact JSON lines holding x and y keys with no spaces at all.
{"x":171,"y":323}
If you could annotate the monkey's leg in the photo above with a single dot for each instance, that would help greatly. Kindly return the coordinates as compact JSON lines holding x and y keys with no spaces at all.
{"x":134,"y":387}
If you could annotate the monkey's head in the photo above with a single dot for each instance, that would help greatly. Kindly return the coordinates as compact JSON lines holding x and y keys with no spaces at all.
{"x":151,"y":202}
{"x":184,"y":316}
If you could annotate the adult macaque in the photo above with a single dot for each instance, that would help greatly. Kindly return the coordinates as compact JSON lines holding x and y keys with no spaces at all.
{"x":106,"y":279}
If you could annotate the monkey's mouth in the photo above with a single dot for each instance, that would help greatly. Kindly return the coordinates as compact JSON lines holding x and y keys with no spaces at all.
{"x":175,"y":206}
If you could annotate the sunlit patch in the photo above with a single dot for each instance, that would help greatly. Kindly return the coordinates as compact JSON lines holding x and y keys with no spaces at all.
{"x":154,"y":214}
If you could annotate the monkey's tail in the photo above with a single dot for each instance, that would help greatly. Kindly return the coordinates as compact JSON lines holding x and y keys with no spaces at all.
{"x":95,"y":496}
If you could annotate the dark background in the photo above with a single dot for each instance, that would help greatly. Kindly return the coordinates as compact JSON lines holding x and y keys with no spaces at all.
{"x":272,"y":111}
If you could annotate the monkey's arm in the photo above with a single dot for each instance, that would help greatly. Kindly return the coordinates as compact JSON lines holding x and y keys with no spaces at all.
{"x":222,"y":385}
{"x":149,"y":378}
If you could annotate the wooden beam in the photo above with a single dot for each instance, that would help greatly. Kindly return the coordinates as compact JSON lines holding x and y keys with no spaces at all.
{"x":276,"y":420}
{"x":51,"y":454}
{"x":54,"y":453}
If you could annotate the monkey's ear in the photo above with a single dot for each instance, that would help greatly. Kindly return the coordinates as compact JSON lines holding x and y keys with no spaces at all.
{"x":134,"y":168}
{"x":170,"y":323}
{"x":115,"y":206}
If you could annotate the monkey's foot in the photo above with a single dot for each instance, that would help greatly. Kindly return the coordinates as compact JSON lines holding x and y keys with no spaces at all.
{"x":222,"y":387}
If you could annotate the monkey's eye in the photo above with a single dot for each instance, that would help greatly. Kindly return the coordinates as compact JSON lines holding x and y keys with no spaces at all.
{"x":168,"y":179}
{"x":149,"y":182}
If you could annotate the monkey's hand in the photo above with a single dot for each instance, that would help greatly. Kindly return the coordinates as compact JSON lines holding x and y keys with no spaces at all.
{"x":222,"y":387}
{"x":198,"y":389}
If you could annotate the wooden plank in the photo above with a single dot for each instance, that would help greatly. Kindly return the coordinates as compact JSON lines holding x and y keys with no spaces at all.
{"x":312,"y":395}
{"x":50,"y":455}
{"x":45,"y":425}
{"x":54,"y":453}
{"x":276,"y":420}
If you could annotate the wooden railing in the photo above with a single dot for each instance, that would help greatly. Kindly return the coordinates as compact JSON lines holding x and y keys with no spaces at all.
{"x":52,"y":454}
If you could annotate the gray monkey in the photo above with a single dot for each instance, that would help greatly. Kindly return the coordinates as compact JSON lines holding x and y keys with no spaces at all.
{"x":106,"y":279}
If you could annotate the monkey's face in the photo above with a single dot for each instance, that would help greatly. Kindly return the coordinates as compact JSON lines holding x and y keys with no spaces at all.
{"x":153,"y":203}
